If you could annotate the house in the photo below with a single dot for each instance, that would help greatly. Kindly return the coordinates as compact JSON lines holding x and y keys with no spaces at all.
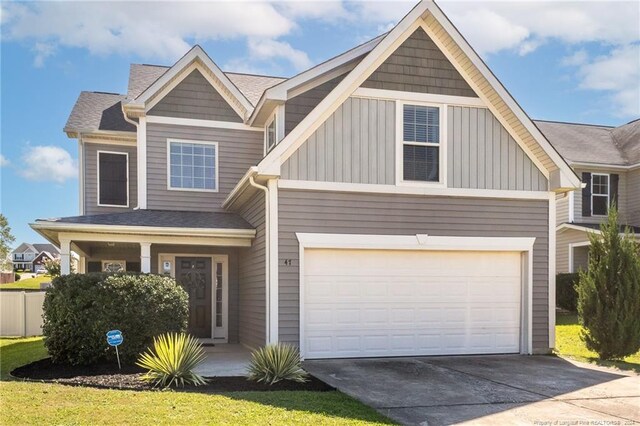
{"x":393,"y":200}
{"x":608,"y":161}
{"x":27,"y":257}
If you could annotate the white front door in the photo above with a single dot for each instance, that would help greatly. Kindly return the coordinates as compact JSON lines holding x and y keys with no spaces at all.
{"x":368,"y":303}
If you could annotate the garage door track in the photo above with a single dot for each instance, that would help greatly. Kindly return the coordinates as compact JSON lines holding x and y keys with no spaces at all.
{"x":499,"y":389}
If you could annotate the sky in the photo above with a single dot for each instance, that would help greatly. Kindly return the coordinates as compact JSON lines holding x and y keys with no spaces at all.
{"x":564,"y":61}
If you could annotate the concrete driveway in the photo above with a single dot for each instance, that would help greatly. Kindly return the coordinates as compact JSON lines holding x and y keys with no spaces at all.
{"x":500,"y":389}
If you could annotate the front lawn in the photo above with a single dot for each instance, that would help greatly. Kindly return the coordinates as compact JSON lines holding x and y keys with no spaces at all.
{"x":40,"y":403}
{"x":27,"y":283}
{"x":569,"y":344}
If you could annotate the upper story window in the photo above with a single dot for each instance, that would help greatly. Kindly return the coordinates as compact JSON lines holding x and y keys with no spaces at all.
{"x":421,"y":149}
{"x":113,"y":179}
{"x":193,"y":166}
{"x":600,"y":192}
{"x":271,"y":137}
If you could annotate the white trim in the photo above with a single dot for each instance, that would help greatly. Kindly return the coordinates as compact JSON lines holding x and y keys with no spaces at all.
{"x":194,"y":142}
{"x":410,"y":97}
{"x":572,"y":207}
{"x":571,"y":253}
{"x":270,"y":120}
{"x":426,"y":243}
{"x":274,"y":323}
{"x":81,"y":172}
{"x":88,"y":139}
{"x":126,"y":155}
{"x":312,"y":84}
{"x":192,"y":122}
{"x":442,"y":146}
{"x":411,"y":190}
{"x":601,"y":195}
{"x":552,"y":270}
{"x":582,"y":164}
{"x":145,"y":258}
{"x":121,"y":261}
{"x":215,"y":258}
{"x":142,"y":163}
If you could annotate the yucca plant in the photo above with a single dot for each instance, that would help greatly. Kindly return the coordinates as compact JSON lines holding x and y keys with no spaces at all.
{"x":172,"y":360}
{"x":273,"y":363}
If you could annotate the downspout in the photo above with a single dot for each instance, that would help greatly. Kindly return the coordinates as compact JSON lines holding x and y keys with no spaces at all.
{"x":265,"y":189}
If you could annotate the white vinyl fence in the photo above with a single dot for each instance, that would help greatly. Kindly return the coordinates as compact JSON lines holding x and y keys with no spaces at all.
{"x":21,"y":313}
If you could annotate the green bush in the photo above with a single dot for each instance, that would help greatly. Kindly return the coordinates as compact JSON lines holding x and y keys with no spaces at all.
{"x":79,"y":309}
{"x":172,"y":360}
{"x":17,"y":277}
{"x":273,"y":363}
{"x":609,"y":293}
{"x":566,"y":294}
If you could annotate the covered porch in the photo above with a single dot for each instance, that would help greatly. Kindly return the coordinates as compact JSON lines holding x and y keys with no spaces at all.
{"x":204,"y":252}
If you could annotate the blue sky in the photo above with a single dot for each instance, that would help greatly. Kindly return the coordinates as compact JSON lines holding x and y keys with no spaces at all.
{"x":565,"y":61}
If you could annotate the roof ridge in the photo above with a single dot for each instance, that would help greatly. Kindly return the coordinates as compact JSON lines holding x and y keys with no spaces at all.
{"x":255,"y":75}
{"x":104,"y":93}
{"x":575,"y":124}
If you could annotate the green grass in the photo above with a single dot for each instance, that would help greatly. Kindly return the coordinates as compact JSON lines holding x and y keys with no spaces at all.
{"x":569,"y":344}
{"x":43,"y":403}
{"x":27,"y":283}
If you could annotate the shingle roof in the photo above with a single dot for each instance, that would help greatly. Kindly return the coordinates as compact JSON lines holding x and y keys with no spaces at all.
{"x":46,"y":247}
{"x":160,"y":218}
{"x":98,"y":111}
{"x":627,"y":137}
{"x":142,"y":76}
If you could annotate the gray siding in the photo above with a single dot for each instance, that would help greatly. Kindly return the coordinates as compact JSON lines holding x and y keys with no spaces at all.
{"x":352,"y":213}
{"x":296,"y":109}
{"x":562,"y":208}
{"x":91,"y":177}
{"x":623,"y":198}
{"x":563,"y":239}
{"x":633,"y":197}
{"x":418,"y":65}
{"x":238,"y":150}
{"x":195,"y":98}
{"x":252,"y":312}
{"x":482,"y":154}
{"x":357,"y":145}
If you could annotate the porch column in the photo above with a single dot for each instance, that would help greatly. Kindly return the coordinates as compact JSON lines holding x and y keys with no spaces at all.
{"x":145,"y":258}
{"x":65,"y":257}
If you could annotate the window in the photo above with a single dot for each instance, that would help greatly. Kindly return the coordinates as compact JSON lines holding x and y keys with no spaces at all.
{"x":599,"y":194}
{"x":193,"y":166}
{"x":114,"y":266}
{"x":420,"y":143}
{"x":271,"y":136}
{"x":113,"y":179}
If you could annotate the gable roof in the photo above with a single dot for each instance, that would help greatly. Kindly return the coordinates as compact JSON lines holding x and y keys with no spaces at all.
{"x":429,"y":16}
{"x":36,"y":248}
{"x":97,"y":111}
{"x":627,"y":137}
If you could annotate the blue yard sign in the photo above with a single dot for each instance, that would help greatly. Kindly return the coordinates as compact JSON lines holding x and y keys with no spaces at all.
{"x":114,"y":338}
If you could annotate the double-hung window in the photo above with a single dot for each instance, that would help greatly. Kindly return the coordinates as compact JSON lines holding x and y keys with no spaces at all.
{"x":599,"y":194}
{"x":420,"y":143}
{"x":193,"y":166}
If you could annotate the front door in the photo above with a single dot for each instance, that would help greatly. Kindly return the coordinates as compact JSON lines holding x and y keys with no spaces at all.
{"x":194,"y":274}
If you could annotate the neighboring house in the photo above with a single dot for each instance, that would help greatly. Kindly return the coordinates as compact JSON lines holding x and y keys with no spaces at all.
{"x":393,"y":200}
{"x":27,"y":256}
{"x":608,"y":161}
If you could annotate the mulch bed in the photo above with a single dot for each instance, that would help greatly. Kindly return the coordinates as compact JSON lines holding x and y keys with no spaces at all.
{"x":108,"y":376}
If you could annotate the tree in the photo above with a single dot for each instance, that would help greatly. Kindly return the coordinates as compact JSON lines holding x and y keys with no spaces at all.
{"x":6,"y":239}
{"x":609,"y":292}
{"x":52,"y":266}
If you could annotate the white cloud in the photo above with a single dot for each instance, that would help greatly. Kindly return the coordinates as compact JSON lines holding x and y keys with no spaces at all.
{"x":266,"y":49}
{"x":3,"y":161}
{"x":48,"y":163}
{"x":579,"y":57}
{"x":42,"y":51}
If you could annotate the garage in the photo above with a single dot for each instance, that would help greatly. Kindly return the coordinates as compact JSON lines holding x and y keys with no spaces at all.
{"x":401,"y":302}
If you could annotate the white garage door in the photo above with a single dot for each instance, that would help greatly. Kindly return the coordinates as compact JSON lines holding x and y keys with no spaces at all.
{"x":364,"y":303}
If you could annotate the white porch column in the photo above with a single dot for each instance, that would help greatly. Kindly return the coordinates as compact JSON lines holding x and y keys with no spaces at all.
{"x":65,"y":257}
{"x":145,"y":258}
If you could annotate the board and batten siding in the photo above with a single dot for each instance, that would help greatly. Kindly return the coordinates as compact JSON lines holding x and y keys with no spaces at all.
{"x":418,"y":65}
{"x":238,"y":150}
{"x":622,"y":198}
{"x":194,"y":97}
{"x":252,"y":275}
{"x":91,"y":177}
{"x":396,"y":214}
{"x":356,"y":144}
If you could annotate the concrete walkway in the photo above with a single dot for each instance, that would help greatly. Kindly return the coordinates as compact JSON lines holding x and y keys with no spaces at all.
{"x":501,"y":389}
{"x":225,"y":360}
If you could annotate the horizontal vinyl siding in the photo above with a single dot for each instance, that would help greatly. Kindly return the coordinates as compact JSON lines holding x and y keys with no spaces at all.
{"x":91,"y":177}
{"x":418,"y":65}
{"x":238,"y":150}
{"x":252,"y":299}
{"x":563,"y":239}
{"x":194,"y":97}
{"x":633,"y":197}
{"x":352,"y":213}
{"x":562,"y":208}
{"x":622,"y":198}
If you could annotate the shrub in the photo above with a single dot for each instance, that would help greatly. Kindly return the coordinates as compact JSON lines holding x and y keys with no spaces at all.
{"x":609,"y":293}
{"x":80,"y":308}
{"x":172,"y":360}
{"x":17,"y":277}
{"x":566,"y":294}
{"x":276,"y":362}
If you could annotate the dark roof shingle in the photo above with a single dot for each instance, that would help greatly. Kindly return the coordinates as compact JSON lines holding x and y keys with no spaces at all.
{"x":98,"y":111}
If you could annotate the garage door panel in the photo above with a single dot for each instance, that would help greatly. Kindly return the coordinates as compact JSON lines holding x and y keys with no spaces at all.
{"x":360,"y":303}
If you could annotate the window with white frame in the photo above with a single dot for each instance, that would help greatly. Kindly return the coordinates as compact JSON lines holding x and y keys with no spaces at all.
{"x":271,"y":137}
{"x":420,"y":143}
{"x":193,"y":166}
{"x":599,"y":194}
